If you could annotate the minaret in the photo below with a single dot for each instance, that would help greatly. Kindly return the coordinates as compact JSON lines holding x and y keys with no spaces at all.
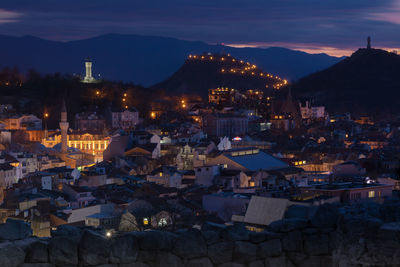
{"x":369,"y":42}
{"x":64,"y":128}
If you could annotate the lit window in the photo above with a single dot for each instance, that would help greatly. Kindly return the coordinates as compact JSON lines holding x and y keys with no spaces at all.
{"x":162,"y":222}
{"x":252,"y":184}
{"x":145,"y":221}
{"x":371,"y":194}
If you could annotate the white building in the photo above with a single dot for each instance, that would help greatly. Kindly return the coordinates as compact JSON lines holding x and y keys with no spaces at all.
{"x":166,"y":176}
{"x":22,"y":122}
{"x":310,"y":112}
{"x":125,"y":119}
{"x":205,"y":174}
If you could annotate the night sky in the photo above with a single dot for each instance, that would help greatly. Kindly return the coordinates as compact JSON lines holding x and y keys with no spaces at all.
{"x":336,"y":27}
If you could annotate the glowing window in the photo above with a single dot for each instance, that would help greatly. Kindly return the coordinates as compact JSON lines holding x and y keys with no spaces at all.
{"x":162,"y":222}
{"x":145,"y":221}
{"x":371,"y":194}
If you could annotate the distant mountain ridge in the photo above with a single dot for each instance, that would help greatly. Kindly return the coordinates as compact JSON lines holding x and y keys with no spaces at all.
{"x":367,"y":82}
{"x":145,"y":60}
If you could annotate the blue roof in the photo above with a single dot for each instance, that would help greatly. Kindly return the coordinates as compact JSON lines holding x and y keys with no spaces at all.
{"x":258,"y":161}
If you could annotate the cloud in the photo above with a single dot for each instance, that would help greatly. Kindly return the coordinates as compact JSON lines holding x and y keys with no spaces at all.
{"x":334,"y":25}
{"x":7,"y":16}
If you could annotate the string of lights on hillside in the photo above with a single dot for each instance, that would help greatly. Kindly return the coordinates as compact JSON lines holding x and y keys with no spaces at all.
{"x":246,"y":69}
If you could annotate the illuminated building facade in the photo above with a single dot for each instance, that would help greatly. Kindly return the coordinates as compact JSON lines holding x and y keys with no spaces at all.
{"x":221,"y":125}
{"x":221,"y":95}
{"x":125,"y":119}
{"x":88,"y":143}
{"x":88,"y":77}
{"x":24,"y":122}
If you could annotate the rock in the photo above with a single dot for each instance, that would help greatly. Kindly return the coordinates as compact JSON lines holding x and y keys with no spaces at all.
{"x":235,"y":232}
{"x":168,"y":259}
{"x":317,"y":261}
{"x":281,"y":261}
{"x":221,"y":252}
{"x":256,"y":264}
{"x":300,"y":212}
{"x":201,"y":262}
{"x":14,"y":230}
{"x":231,"y":264}
{"x":147,"y":256}
{"x":258,"y":237}
{"x":316,"y":244}
{"x":124,"y":249}
{"x":134,"y":264}
{"x":37,"y":252}
{"x":37,"y":265}
{"x":63,"y":251}
{"x":390,"y":231}
{"x":359,"y":226}
{"x":211,"y":237}
{"x":156,"y":240}
{"x":244,"y":252}
{"x":325,"y":216}
{"x":293,"y":241}
{"x":190,"y":244}
{"x":11,"y":255}
{"x":297,"y":257}
{"x":69,"y":231}
{"x":287,"y":225}
{"x":270,"y":248}
{"x":209,"y":226}
{"x":94,"y":249}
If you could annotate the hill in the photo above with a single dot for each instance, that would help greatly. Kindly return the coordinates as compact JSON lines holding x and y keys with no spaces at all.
{"x":367,"y":82}
{"x":145,"y":60}
{"x":202,"y":72}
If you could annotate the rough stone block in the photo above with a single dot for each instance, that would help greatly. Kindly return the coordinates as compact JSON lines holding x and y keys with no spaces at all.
{"x":63,"y":251}
{"x":200,"y":262}
{"x":270,"y":248}
{"x":244,"y":252}
{"x":124,"y":249}
{"x":293,"y":241}
{"x":221,"y":252}
{"x":316,"y":244}
{"x":94,"y":249}
{"x":14,"y":230}
{"x":37,"y":252}
{"x":190,"y":244}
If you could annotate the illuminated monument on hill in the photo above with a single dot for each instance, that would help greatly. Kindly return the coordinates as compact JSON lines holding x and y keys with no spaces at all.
{"x":88,"y":77}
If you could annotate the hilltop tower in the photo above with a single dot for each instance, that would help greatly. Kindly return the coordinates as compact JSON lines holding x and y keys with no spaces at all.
{"x":64,"y":128}
{"x":369,"y":42}
{"x":88,"y":76}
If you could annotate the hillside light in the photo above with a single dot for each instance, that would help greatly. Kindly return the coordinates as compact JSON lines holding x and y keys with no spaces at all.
{"x":125,"y":94}
{"x":97,"y":92}
{"x":153,"y":115}
{"x":46,"y":115}
{"x":108,"y":234}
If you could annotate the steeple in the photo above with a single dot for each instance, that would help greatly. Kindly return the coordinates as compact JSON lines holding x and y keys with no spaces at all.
{"x":369,"y":42}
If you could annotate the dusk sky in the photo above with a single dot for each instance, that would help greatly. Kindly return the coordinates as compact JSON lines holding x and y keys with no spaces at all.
{"x":336,"y":27}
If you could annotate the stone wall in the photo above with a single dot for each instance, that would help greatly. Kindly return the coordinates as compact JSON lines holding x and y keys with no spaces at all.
{"x":324,"y":236}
